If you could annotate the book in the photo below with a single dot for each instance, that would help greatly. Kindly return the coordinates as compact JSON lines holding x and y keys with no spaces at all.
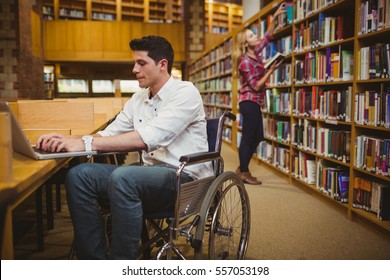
{"x":347,"y":64}
{"x":311,"y":171}
{"x":343,"y":182}
{"x":384,"y":205}
{"x":275,"y":59}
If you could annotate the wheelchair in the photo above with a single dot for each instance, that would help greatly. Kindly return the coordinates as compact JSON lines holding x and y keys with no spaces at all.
{"x":211,"y":216}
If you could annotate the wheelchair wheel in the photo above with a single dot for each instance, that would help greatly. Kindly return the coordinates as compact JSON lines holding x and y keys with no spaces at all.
{"x":224,"y":225}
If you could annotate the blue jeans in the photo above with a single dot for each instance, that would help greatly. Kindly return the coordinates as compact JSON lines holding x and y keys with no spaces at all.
{"x":131,"y":191}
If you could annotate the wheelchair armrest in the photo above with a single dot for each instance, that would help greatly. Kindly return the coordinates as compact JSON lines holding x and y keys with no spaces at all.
{"x":202,"y":156}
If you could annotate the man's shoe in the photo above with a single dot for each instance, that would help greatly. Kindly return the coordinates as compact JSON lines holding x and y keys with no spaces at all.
{"x":238,"y":171}
{"x":249,"y":179}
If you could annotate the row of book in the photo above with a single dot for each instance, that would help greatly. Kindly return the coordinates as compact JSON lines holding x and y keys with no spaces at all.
{"x":303,"y":167}
{"x":277,"y":130}
{"x":304,"y":135}
{"x":373,"y":154}
{"x":330,"y":65}
{"x":214,"y":55}
{"x":72,"y":13}
{"x":277,"y":103}
{"x":227,"y":134}
{"x":319,"y":32}
{"x":47,"y":10}
{"x":221,"y":84}
{"x":281,"y":21}
{"x":372,"y":196}
{"x":374,"y":15}
{"x":334,"y":144}
{"x":332,"y":180}
{"x":274,"y":155}
{"x":373,"y":107}
{"x":223,"y":100}
{"x":103,"y":16}
{"x":321,"y":104}
{"x":283,"y":45}
{"x":304,"y":8}
{"x":217,"y":29}
{"x":219,"y":67}
{"x":281,"y":76}
{"x":374,"y":61}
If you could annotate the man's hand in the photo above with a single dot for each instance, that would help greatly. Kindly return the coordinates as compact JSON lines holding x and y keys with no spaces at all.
{"x":55,"y":142}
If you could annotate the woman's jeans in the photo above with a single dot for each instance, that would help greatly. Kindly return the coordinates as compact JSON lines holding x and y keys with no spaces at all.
{"x":131,"y":191}
{"x":252,"y":132}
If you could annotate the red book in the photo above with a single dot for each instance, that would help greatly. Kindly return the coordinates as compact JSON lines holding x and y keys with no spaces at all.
{"x":314,"y":111}
{"x":340,"y":27}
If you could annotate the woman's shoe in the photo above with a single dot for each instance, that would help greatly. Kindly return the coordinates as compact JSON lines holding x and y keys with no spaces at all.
{"x":249,"y":179}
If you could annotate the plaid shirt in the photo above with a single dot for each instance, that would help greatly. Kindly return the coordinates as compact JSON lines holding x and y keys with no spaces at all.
{"x":251,"y":71}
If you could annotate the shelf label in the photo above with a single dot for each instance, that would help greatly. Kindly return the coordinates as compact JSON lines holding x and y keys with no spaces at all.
{"x":331,"y":122}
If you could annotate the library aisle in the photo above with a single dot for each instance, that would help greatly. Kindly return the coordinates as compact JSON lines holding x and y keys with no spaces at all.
{"x":288,"y":223}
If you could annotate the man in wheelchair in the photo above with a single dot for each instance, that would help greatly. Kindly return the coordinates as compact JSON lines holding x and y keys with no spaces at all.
{"x":166,"y":120}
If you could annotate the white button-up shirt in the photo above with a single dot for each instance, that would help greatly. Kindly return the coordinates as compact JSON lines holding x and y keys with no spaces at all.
{"x":171,"y":124}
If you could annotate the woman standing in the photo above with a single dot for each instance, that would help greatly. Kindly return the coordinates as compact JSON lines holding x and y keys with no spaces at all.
{"x":252,"y":76}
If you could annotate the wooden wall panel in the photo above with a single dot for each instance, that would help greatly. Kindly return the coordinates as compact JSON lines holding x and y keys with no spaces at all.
{"x":58,"y":38}
{"x":36,"y":34}
{"x":104,"y":41}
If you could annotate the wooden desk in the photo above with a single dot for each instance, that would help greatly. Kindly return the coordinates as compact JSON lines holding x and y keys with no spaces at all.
{"x":29,"y":174}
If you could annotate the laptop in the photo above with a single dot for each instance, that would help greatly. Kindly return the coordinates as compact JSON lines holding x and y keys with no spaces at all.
{"x":21,"y":145}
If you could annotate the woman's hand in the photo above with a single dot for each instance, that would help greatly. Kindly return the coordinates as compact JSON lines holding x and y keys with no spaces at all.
{"x":271,"y":27}
{"x":281,"y":9}
{"x":275,"y":65}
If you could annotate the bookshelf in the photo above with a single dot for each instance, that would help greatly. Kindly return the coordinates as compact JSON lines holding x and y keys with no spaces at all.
{"x":113,"y":10}
{"x":70,"y":10}
{"x":103,"y":10}
{"x":327,"y":115}
{"x":133,"y":10}
{"x":48,"y":77}
{"x":48,"y":9}
{"x":221,"y":18}
{"x":211,"y":74}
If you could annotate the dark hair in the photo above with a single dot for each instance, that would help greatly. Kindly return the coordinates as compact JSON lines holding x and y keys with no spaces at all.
{"x":157,"y":47}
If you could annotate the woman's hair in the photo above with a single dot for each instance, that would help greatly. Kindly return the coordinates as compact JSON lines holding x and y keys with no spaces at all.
{"x":157,"y":47}
{"x":238,"y":51}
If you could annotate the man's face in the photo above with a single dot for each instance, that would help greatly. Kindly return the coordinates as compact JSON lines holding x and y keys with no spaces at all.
{"x":145,"y":69}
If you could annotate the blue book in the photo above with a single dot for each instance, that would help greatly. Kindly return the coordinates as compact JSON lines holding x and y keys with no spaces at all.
{"x":289,"y":12}
{"x":321,"y":27}
{"x":343,"y":182}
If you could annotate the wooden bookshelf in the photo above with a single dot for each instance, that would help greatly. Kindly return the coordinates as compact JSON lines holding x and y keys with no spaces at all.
{"x":221,"y":18}
{"x":113,"y":10}
{"x":211,"y":74}
{"x":306,"y":97}
{"x":48,"y":77}
{"x":70,"y":10}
